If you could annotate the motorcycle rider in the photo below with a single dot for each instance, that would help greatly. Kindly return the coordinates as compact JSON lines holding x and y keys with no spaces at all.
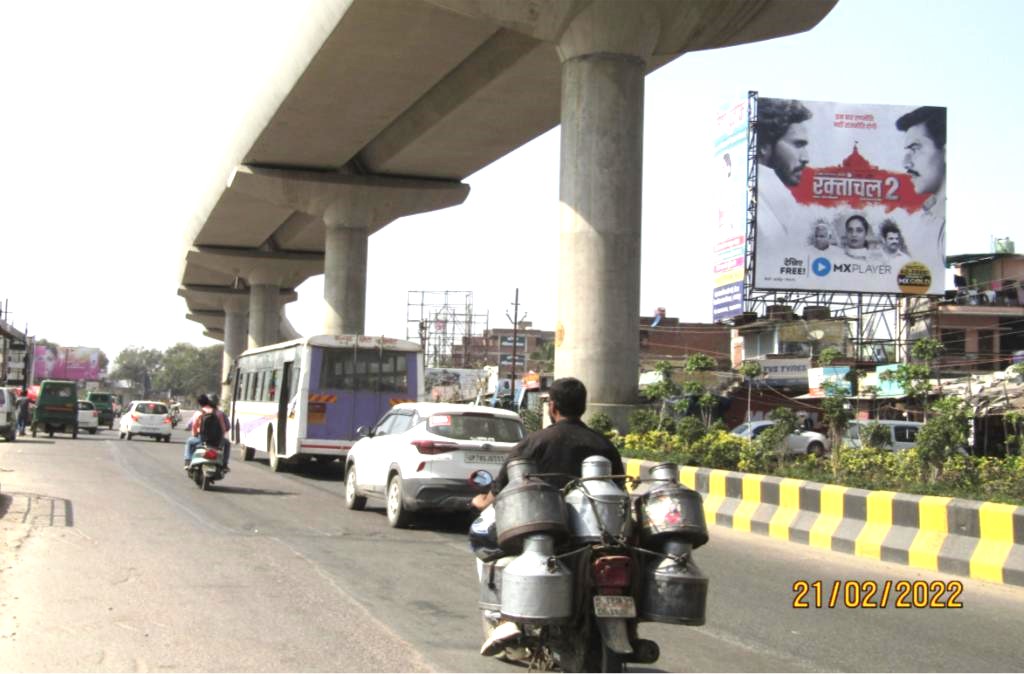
{"x":560,"y":448}
{"x":206,"y":405}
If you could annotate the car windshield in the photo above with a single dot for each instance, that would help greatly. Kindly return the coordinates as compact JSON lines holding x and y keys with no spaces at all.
{"x":484,"y":427}
{"x":60,"y":391}
{"x":151,"y":408}
{"x":100,"y":397}
{"x":83,"y":405}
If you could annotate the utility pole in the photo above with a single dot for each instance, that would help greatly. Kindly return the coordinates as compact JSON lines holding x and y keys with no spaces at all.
{"x":515,"y":340}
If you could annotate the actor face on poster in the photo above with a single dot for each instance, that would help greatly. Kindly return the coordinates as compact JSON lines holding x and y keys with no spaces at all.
{"x":850,"y":197}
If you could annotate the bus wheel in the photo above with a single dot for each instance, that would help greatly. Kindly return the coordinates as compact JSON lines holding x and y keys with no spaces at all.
{"x":248,"y":453}
{"x":277,"y":464}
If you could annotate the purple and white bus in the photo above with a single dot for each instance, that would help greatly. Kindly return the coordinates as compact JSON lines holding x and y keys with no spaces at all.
{"x":307,"y":397}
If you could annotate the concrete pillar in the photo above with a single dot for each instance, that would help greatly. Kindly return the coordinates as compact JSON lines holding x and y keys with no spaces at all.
{"x":345,"y":251}
{"x":597,"y":337}
{"x":264,"y":314}
{"x":236,"y":330}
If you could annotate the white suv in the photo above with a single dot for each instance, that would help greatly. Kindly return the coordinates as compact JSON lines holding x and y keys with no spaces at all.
{"x":420,"y":456}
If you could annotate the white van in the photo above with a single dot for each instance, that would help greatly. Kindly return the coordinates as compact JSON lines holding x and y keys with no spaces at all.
{"x":902,"y":434}
{"x":8,"y":415}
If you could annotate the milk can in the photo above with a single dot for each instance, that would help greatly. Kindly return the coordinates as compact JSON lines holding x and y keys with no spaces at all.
{"x":536,"y":587}
{"x":673,"y":590}
{"x":527,"y":505}
{"x":597,"y":505}
{"x":669,"y":510}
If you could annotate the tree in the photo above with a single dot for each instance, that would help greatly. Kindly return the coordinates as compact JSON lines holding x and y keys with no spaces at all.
{"x":750,"y":370}
{"x":696,"y":364}
{"x":188,"y":370}
{"x":915,"y":377}
{"x":833,"y":408}
{"x":139,"y":366}
{"x":943,"y":435}
{"x":785,"y":423}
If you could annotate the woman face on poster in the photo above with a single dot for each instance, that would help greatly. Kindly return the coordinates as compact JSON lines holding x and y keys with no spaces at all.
{"x":857,"y":230}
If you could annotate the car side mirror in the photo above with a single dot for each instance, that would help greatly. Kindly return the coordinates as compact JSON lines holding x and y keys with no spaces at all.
{"x":363,"y":432}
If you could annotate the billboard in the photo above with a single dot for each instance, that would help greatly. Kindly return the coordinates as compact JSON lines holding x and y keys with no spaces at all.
{"x":820,"y":379}
{"x":730,"y":239}
{"x":850,"y":197}
{"x":65,"y":362}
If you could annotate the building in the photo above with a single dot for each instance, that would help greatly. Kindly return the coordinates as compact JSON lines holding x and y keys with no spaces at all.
{"x":661,"y":338}
{"x":981,"y":322}
{"x":665,"y":338}
{"x":532,"y":349}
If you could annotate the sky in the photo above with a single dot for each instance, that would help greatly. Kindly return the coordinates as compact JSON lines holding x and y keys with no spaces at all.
{"x":115,"y":117}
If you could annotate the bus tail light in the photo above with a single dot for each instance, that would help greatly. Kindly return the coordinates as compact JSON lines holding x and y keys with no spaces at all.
{"x":433,"y":447}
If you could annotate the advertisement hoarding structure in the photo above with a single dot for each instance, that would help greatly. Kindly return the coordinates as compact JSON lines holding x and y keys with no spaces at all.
{"x":865,"y":278}
{"x":62,"y":362}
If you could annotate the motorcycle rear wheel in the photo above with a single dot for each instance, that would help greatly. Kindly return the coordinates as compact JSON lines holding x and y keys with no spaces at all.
{"x":600,"y":658}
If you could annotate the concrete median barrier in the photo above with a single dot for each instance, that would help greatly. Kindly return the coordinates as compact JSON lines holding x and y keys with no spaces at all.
{"x":967,"y":538}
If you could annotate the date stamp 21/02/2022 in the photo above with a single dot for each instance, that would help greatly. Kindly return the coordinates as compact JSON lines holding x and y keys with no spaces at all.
{"x":905,"y":594}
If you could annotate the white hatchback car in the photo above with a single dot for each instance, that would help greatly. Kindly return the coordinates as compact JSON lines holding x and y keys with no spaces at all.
{"x":798,"y":442}
{"x":420,"y":456}
{"x":88,"y":417}
{"x":146,"y":417}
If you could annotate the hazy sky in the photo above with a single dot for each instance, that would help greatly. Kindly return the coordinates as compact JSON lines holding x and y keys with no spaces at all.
{"x":114,"y":116}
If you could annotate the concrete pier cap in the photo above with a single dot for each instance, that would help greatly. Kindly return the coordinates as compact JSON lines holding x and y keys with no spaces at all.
{"x":352,"y":208}
{"x":605,"y":47}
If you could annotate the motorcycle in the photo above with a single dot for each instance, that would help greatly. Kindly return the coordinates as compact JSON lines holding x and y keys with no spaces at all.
{"x":175,"y":415}
{"x":206,"y":466}
{"x":580,"y":568}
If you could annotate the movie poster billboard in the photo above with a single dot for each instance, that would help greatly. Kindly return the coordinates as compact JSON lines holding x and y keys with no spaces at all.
{"x":850,"y":197}
{"x":730,"y":240}
{"x":66,"y":362}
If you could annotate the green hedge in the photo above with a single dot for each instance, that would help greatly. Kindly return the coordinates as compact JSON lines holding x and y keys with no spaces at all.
{"x":978,"y":478}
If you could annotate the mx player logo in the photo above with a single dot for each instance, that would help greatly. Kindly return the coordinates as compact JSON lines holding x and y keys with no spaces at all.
{"x":821,"y":266}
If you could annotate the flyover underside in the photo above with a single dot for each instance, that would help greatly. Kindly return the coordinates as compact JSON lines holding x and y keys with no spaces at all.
{"x":382,"y":113}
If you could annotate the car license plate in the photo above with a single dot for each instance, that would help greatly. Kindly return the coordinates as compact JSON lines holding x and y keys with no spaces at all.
{"x":496,"y":459}
{"x":614,"y":606}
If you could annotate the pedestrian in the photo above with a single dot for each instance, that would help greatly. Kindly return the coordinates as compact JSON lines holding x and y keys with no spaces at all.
{"x":24,"y":412}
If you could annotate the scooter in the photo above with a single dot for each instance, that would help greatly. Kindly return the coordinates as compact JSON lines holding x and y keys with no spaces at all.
{"x":206,"y":466}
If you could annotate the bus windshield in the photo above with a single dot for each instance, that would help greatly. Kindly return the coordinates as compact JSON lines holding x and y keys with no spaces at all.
{"x":364,"y":370}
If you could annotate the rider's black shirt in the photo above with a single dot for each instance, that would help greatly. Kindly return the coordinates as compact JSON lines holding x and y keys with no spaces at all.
{"x":561,"y":448}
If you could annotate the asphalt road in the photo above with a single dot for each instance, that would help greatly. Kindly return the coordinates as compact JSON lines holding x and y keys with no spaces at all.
{"x":113,"y":561}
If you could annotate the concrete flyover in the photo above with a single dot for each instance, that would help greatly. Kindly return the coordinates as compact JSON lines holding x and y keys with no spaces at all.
{"x":384,"y":108}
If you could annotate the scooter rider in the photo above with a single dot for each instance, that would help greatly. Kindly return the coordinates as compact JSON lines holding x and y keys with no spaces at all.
{"x":207,"y":405}
{"x":560,"y":448}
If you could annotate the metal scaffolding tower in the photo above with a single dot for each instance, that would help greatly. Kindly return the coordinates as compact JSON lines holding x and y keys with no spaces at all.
{"x":441,"y":319}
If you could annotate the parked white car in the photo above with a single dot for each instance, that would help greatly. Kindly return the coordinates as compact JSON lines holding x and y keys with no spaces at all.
{"x":902,"y":434}
{"x":146,"y":417}
{"x":420,"y":456}
{"x":88,"y":417}
{"x":798,"y":442}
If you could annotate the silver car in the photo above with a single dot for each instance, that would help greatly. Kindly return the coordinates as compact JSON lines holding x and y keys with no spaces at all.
{"x":798,"y":442}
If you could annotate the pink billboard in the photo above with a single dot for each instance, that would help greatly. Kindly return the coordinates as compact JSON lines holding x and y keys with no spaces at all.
{"x":66,"y":362}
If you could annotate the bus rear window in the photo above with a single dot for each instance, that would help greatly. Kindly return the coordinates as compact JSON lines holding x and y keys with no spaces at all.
{"x":483,"y":427}
{"x":364,"y":370}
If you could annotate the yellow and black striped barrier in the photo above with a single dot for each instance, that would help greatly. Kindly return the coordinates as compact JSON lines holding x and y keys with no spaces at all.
{"x":968,"y":538}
